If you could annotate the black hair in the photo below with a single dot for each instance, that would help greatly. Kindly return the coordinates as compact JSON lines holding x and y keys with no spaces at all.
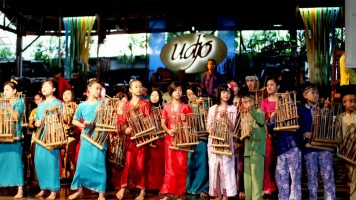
{"x":121,"y":95}
{"x":196,"y":89}
{"x":54,"y":84}
{"x":160,"y":99}
{"x":244,"y":92}
{"x":72,"y":92}
{"x":173,"y":86}
{"x":12,"y":84}
{"x":221,"y":88}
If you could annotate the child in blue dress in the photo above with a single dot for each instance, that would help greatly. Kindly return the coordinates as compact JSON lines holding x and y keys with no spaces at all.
{"x":91,"y":167}
{"x":47,"y":162}
{"x":11,"y":166}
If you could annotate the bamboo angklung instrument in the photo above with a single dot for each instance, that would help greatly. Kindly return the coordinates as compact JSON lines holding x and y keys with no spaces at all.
{"x":201,"y":108}
{"x":246,"y":121}
{"x":157,"y":120}
{"x":69,"y":111}
{"x":347,"y":149}
{"x":142,"y":124}
{"x":24,"y":116}
{"x":7,"y":123}
{"x":103,"y":122}
{"x":221,"y":134}
{"x":117,"y":151}
{"x":51,"y":133}
{"x":186,"y":135}
{"x":286,"y":112}
{"x":326,"y":135}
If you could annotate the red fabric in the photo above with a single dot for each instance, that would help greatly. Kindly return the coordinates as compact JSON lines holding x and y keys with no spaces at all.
{"x":269,"y":182}
{"x":63,"y":84}
{"x":176,"y":166}
{"x":135,"y":169}
{"x":176,"y":163}
{"x":116,"y":178}
{"x":155,"y":165}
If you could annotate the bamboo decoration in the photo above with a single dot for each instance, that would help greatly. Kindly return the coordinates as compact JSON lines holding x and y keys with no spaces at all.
{"x":78,"y":33}
{"x":7,"y":124}
{"x":325,"y":134}
{"x":221,"y":135}
{"x":286,"y":112}
{"x":51,"y":132}
{"x":347,"y":149}
{"x":318,"y":24}
{"x":185,"y":135}
{"x":143,"y":127}
{"x":103,"y":122}
{"x":117,"y":151}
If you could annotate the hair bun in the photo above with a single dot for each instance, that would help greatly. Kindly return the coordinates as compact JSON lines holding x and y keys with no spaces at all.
{"x":14,"y":81}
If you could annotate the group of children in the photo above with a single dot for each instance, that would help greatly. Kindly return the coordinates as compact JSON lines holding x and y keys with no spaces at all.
{"x":176,"y":172}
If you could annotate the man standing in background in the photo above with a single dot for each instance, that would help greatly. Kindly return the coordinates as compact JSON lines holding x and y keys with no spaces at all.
{"x":211,"y":79}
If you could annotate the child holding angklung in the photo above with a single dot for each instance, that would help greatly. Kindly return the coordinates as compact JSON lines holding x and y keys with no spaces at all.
{"x":47,"y":162}
{"x":315,"y":159}
{"x":222,"y":179}
{"x":253,"y":120}
{"x":91,"y":166}
{"x":72,"y":132}
{"x":347,"y":121}
{"x":11,"y":165}
{"x":135,"y":169}
{"x":288,"y":172}
{"x":116,"y":168}
{"x":175,"y":177}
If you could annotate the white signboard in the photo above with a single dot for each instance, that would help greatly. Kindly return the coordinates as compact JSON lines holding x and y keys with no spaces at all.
{"x":191,"y":52}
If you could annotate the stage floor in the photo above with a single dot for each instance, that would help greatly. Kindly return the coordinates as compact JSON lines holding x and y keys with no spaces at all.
{"x":32,"y":190}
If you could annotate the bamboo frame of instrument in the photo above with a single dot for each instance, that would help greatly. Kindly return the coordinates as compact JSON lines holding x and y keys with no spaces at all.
{"x":24,"y":116}
{"x":286,"y":112}
{"x":143,"y":127}
{"x":201,"y":108}
{"x":220,"y":135}
{"x":7,"y":124}
{"x":69,"y":111}
{"x":104,"y":122}
{"x":347,"y":149}
{"x":185,"y":135}
{"x":236,"y":133}
{"x":259,"y":96}
{"x":157,"y":120}
{"x":325,"y":134}
{"x":117,"y":151}
{"x":52,"y":123}
{"x":246,"y":123}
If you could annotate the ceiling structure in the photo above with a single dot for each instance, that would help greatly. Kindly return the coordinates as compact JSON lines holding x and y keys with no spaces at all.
{"x":42,"y":17}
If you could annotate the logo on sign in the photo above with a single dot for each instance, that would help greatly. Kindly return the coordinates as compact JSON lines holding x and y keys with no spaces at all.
{"x":191,"y":52}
